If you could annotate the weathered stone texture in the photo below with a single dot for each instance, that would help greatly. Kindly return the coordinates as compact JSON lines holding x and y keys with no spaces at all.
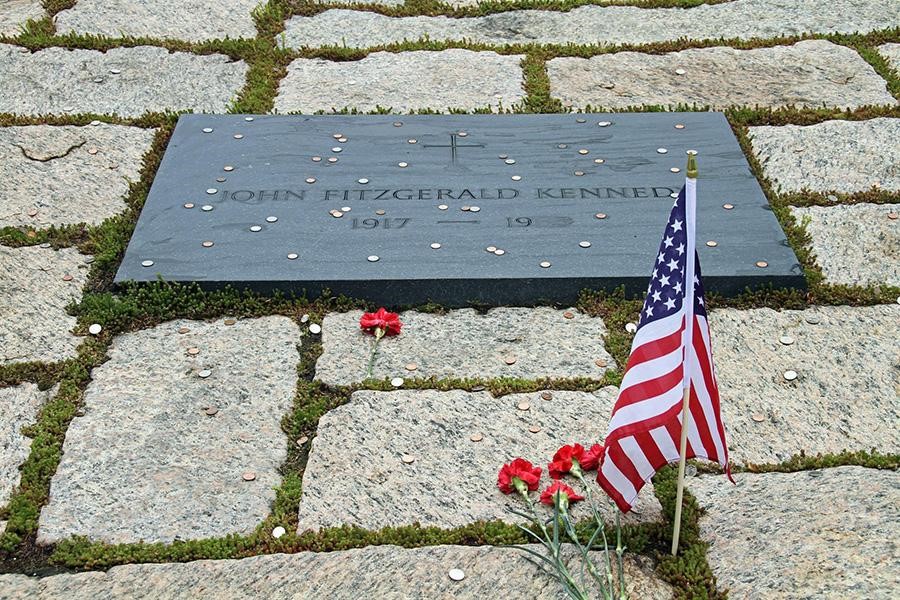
{"x":464,"y":344}
{"x":36,"y":286}
{"x":829,"y":533}
{"x":846,"y":395}
{"x":742,"y":19}
{"x":809,"y":73}
{"x":123,"y":81}
{"x":166,"y":19}
{"x":67,"y":175}
{"x":148,"y":462}
{"x":892,"y":53}
{"x":841,"y":156}
{"x":855,"y":244}
{"x":20,"y":406}
{"x":356,"y":474}
{"x":15,"y":13}
{"x":382,"y":572}
{"x":404,"y":82}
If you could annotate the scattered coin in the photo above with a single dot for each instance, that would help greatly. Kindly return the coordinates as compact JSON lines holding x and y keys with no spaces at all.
{"x":183,"y":330}
{"x":600,"y":216}
{"x":373,"y":258}
{"x":758,"y":417}
{"x":569,"y":314}
{"x":762,"y":264}
{"x":790,"y":375}
{"x":727,"y":206}
{"x":193,"y":351}
{"x":435,"y":246}
{"x":95,"y":329}
{"x":204,"y":373}
{"x":476,"y":437}
{"x":491,"y":249}
{"x":546,"y":396}
{"x":249,"y":476}
{"x":278,"y":532}
{"x":630,"y":327}
{"x":478,"y":388}
{"x":456,"y":574}
{"x":380,"y":212}
{"x":534,"y":429}
{"x":315,"y":328}
{"x":67,"y":278}
{"x":712,"y":243}
{"x":302,"y":440}
{"x":600,"y":363}
{"x":408,"y":459}
{"x":304,"y":318}
{"x":786,"y":340}
{"x":523,"y":405}
{"x":545,"y":264}
{"x":211,"y":410}
{"x":892,"y":216}
{"x":499,"y":252}
{"x":510,"y":360}
{"x":680,"y":71}
{"x":584,"y":244}
{"x":397,"y":382}
{"x":32,"y":212}
{"x":411,"y":366}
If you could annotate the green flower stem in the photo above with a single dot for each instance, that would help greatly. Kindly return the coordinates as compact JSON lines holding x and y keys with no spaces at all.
{"x":379,"y":333}
{"x":599,"y":520}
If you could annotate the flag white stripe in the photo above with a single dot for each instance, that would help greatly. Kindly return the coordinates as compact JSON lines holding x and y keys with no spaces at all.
{"x":634,"y":452}
{"x":657,"y":329}
{"x":645,"y":409}
{"x":709,"y":415}
{"x":665,"y":443}
{"x":619,"y":481}
{"x":692,"y":432}
{"x":652,"y":369}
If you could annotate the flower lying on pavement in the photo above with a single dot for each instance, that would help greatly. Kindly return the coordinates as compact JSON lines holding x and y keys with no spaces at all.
{"x":562,"y":492}
{"x":381,"y":322}
{"x":519,"y":475}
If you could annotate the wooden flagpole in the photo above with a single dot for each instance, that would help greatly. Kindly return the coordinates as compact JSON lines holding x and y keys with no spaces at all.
{"x":690,"y":215}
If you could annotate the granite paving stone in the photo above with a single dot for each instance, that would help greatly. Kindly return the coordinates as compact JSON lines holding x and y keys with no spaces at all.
{"x":123,"y":81}
{"x":384,"y":572}
{"x":15,"y":13}
{"x":403,"y":82}
{"x":847,"y":392}
{"x":856,"y":244}
{"x":741,"y":19}
{"x":829,"y":533}
{"x":66,"y":175}
{"x":540,"y":342}
{"x":20,"y":406}
{"x":36,"y":286}
{"x":811,"y":73}
{"x":165,"y":19}
{"x":892,"y":53}
{"x":357,"y":475}
{"x":172,"y":424}
{"x":839,"y":156}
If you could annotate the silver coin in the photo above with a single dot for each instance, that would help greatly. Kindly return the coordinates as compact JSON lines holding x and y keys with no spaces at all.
{"x":456,"y":574}
{"x":292,"y":256}
{"x":662,"y":151}
{"x":373,"y":258}
{"x":790,"y":375}
{"x":95,"y":329}
{"x":786,"y":340}
{"x":147,"y":263}
{"x":255,"y":228}
{"x":584,"y":244}
{"x":271,"y":219}
{"x":315,"y":328}
{"x":204,"y":373}
{"x":435,"y":246}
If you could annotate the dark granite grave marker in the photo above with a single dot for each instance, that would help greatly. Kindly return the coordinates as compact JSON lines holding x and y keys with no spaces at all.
{"x":458,"y":209}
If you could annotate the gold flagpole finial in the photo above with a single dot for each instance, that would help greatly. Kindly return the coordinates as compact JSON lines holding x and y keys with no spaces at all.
{"x":692,"y":164}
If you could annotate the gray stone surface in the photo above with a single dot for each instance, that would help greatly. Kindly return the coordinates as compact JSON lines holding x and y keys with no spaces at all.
{"x":842,"y":156}
{"x":15,"y":13}
{"x":61,"y":81}
{"x":167,"y":19}
{"x":892,"y":53}
{"x":808,"y":73}
{"x":356,"y":474}
{"x":743,"y":19}
{"x":463,"y":343}
{"x":854,"y":244}
{"x":34,"y":294}
{"x":829,"y":533}
{"x":846,"y":395}
{"x":146,"y":461}
{"x":404,"y":82}
{"x":21,"y":404}
{"x":382,"y":572}
{"x":65,"y":175}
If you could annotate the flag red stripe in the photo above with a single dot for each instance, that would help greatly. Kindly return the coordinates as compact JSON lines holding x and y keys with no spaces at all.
{"x":623,"y":462}
{"x":649,"y":388}
{"x":655,"y":349}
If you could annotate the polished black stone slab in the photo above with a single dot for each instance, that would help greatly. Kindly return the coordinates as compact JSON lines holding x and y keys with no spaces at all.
{"x":533,"y":185}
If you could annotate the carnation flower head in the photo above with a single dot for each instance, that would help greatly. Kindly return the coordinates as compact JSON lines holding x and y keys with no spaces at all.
{"x":565,"y":460}
{"x":381,"y":322}
{"x":518,"y":475}
{"x":591,"y":459}
{"x":565,"y":494}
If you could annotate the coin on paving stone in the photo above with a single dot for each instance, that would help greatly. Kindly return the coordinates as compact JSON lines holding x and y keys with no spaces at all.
{"x":813,"y":319}
{"x":456,"y":574}
{"x":491,"y":248}
{"x":32,"y":212}
{"x":67,"y":278}
{"x":194,"y":351}
{"x":534,"y":429}
{"x":278,"y":532}
{"x":183,"y":330}
{"x":408,"y":459}
{"x":600,"y":363}
{"x":523,"y":405}
{"x":892,"y":216}
{"x":569,"y":314}
{"x":204,"y":373}
{"x":476,"y":437}
{"x":600,"y":216}
{"x":478,"y":388}
{"x":758,"y":417}
{"x":230,"y":321}
{"x":302,"y":440}
{"x":786,"y":340}
{"x":411,"y":366}
{"x":397,"y":382}
{"x":249,"y":476}
{"x":630,"y":327}
{"x":315,"y":328}
{"x":95,"y":329}
{"x":212,"y":410}
{"x":510,"y":360}
{"x":499,"y":252}
{"x":546,"y":395}
{"x":790,"y":375}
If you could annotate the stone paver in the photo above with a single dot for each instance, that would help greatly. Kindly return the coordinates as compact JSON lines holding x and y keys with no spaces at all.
{"x":540,"y":342}
{"x":36,"y":286}
{"x":66,"y":175}
{"x":892,"y":53}
{"x":846,"y":394}
{"x":15,"y":13}
{"x":814,"y":534}
{"x":855,"y":244}
{"x":148,"y":461}
{"x":168,"y":19}
{"x":383,"y":572}
{"x":123,"y":81}
{"x":356,"y":474}
{"x":21,"y":404}
{"x":404,"y":82}
{"x":743,"y":19}
{"x":842,"y":156}
{"x":809,"y":73}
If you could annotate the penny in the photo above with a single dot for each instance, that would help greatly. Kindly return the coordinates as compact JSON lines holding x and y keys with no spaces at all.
{"x":534,"y":429}
{"x":183,"y":330}
{"x":546,"y":396}
{"x":412,"y":367}
{"x":193,"y":351}
{"x":476,"y":437}
{"x":523,"y":405}
{"x":212,"y":410}
{"x":759,"y":418}
{"x":67,"y":278}
{"x":569,"y":314}
{"x":510,"y":360}
{"x":762,"y":264}
{"x":249,"y":476}
{"x":892,"y":216}
{"x":600,"y":363}
{"x":302,"y":440}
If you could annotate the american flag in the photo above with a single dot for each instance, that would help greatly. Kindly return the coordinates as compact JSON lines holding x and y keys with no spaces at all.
{"x":645,"y":429}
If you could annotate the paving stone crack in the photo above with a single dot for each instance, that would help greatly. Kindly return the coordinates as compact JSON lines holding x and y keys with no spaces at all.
{"x":49,"y":158}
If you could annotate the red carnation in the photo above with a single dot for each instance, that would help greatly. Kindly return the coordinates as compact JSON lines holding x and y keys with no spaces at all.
{"x":563,"y":460}
{"x":566,"y":495}
{"x":387,"y":323}
{"x":521,"y":470}
{"x":591,"y":459}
